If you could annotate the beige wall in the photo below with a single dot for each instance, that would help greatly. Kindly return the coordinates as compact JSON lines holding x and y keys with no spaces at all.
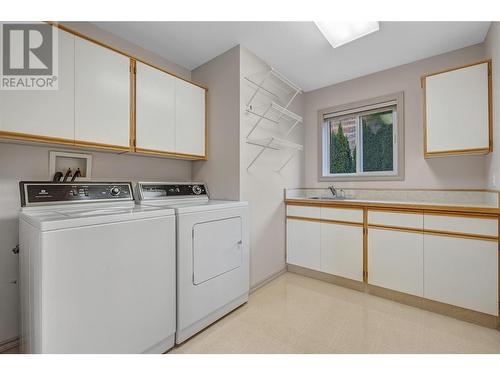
{"x":447,"y":172}
{"x":27,"y":162}
{"x":221,"y":171}
{"x":261,"y":186}
{"x":492,"y":47}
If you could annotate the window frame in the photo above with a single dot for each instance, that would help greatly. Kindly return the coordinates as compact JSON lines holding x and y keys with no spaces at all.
{"x":362,"y":108}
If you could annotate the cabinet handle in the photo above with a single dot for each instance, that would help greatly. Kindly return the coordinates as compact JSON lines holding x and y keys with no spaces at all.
{"x":15,"y":250}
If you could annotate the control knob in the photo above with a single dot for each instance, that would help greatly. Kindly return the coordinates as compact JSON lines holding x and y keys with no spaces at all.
{"x":196,"y":189}
{"x":114,"y":191}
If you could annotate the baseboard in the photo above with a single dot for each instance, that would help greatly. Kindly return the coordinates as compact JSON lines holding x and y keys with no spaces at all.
{"x":9,"y":344}
{"x":456,"y":312}
{"x":267,"y":280}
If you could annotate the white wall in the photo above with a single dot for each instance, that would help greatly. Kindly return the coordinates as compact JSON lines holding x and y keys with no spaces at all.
{"x":261,"y":186}
{"x":446,"y":172}
{"x":221,"y":171}
{"x":492,"y":47}
{"x":27,"y":162}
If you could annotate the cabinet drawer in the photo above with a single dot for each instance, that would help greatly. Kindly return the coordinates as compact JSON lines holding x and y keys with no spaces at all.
{"x":303,"y":211}
{"x":342,"y":214}
{"x":397,"y":219}
{"x":486,"y":226}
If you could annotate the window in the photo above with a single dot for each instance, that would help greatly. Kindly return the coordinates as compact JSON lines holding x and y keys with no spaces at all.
{"x":363,"y":141}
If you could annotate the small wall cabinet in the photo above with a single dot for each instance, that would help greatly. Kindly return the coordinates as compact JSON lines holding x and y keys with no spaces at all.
{"x":458,"y":111}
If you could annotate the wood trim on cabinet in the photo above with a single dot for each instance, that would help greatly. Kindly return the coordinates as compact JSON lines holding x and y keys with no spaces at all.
{"x":326,"y":221}
{"x":133,"y":101}
{"x":463,"y":214}
{"x":395,"y":228}
{"x":35,"y":138}
{"x":401,"y":206}
{"x":147,"y":151}
{"x":471,"y":236}
{"x":435,"y":232}
{"x":121,"y":52}
{"x":397,"y":210}
{"x":365,"y":245}
{"x":471,"y":151}
{"x":105,"y":146}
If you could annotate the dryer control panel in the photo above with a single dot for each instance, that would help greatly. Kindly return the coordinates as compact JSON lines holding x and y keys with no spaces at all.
{"x":149,"y":190}
{"x":41,"y":193}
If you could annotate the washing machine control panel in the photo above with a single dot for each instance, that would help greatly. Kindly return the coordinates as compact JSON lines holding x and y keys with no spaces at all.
{"x":152,"y":190}
{"x":39,"y":193}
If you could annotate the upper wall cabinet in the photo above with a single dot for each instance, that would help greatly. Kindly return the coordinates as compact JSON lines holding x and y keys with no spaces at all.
{"x":102,"y":96}
{"x":458,"y":111}
{"x":109,"y":100}
{"x":155,"y":109}
{"x":170,"y":114}
{"x":43,"y":115}
{"x":189,"y":118}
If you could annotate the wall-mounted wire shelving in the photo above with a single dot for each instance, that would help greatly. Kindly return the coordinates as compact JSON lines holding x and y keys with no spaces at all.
{"x":280,"y":92}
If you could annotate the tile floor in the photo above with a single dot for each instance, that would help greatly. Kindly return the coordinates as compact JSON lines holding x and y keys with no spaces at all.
{"x":296,"y":314}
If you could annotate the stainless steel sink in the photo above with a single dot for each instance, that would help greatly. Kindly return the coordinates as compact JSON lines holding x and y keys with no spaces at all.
{"x":329,"y":198}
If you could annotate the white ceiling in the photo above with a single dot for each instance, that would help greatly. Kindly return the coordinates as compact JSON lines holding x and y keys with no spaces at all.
{"x":298,"y":49}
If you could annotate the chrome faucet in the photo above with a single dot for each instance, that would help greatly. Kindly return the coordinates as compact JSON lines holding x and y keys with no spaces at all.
{"x":333,"y":190}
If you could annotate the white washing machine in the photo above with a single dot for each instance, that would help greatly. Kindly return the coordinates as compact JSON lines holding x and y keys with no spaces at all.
{"x":212,"y":252}
{"x":97,"y":272}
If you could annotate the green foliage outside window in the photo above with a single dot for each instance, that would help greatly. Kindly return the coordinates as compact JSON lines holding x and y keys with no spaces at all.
{"x":341,"y":159}
{"x":377,"y":142}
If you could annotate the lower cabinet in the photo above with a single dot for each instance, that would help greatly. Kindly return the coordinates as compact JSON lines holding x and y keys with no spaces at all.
{"x":461,"y":272}
{"x":303,"y":243}
{"x":395,"y":260}
{"x":342,"y":250}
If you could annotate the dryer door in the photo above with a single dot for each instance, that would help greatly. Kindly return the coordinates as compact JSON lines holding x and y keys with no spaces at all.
{"x":217,"y":248}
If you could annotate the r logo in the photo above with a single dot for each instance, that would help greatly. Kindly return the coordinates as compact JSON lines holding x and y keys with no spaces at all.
{"x":27,"y":49}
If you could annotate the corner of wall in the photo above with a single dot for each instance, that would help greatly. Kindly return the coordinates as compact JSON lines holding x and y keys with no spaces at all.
{"x":492,"y":51}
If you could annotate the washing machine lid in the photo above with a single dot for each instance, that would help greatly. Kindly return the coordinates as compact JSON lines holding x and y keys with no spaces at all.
{"x":50,"y":206}
{"x":71,"y":217}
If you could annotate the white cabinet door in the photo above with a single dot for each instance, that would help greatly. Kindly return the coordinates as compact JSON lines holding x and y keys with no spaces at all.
{"x":395,"y":260}
{"x":189,"y":118}
{"x":155,"y":109}
{"x":462,"y":272}
{"x":102,"y":95}
{"x":47,"y":113}
{"x":342,"y":250}
{"x":303,"y":243}
{"x":457,"y":110}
